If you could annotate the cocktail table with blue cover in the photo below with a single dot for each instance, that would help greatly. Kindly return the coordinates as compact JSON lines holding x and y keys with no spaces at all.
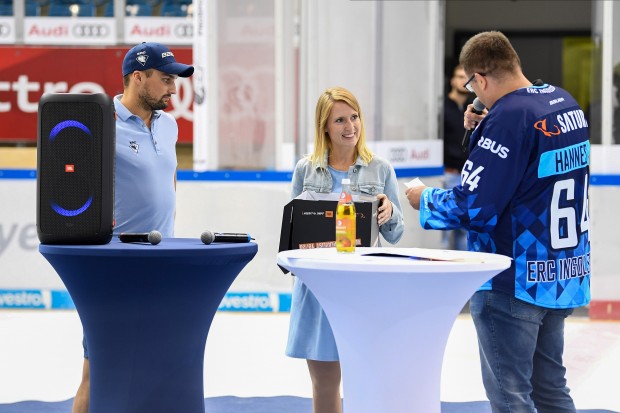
{"x":146,"y":312}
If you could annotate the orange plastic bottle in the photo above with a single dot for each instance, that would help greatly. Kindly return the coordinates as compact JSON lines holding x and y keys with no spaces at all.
{"x":345,"y":219}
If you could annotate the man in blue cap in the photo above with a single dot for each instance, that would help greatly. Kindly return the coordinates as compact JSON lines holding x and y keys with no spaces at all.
{"x":146,"y":162}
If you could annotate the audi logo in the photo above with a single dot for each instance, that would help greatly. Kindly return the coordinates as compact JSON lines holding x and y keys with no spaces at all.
{"x":91,"y":30}
{"x":184,"y":30}
{"x":5,"y":30}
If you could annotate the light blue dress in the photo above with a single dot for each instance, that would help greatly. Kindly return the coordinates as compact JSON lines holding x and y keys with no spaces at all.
{"x":310,"y":335}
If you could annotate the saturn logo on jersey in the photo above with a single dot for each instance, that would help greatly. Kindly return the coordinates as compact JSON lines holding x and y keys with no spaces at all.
{"x":541,"y":125}
{"x":134,"y":146}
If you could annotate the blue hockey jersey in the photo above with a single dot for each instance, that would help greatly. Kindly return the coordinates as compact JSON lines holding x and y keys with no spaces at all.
{"x":524,"y":194}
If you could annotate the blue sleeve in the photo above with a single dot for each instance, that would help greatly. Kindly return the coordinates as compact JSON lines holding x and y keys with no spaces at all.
{"x":489,"y":180}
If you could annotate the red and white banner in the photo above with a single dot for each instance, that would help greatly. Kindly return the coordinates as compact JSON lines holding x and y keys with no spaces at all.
{"x":70,"y":31}
{"x":28,"y":72}
{"x":166,"y":30}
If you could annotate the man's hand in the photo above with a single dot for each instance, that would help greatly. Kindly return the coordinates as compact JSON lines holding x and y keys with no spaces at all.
{"x":471,"y":119}
{"x":413,"y":195}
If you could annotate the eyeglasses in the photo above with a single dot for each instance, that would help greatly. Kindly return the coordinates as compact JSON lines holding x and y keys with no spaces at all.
{"x":467,"y":84}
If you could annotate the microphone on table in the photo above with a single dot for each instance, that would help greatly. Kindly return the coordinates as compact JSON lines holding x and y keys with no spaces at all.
{"x":208,"y":237}
{"x":478,"y":109}
{"x":154,"y":237}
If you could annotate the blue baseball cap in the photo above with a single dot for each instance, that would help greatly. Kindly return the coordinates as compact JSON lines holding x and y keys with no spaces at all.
{"x":154,"y":56}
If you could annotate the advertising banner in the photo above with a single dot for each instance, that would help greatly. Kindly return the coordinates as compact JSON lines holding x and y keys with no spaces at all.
{"x":28,"y":72}
{"x":410,"y":154}
{"x":70,"y":31}
{"x":167,"y":30}
{"x":7,"y":30}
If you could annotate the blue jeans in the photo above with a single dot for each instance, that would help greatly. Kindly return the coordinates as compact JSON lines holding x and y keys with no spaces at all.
{"x":521,"y":348}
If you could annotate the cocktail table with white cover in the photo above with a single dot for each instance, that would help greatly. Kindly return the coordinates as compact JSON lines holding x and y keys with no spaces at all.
{"x":391,"y":317}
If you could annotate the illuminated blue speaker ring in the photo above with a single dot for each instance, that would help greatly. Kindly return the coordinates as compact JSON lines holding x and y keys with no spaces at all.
{"x":56,"y":130}
{"x":71,"y":194}
{"x":68,"y":124}
{"x":71,"y":212}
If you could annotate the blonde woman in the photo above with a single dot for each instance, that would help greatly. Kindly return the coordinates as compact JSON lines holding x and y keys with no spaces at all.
{"x":340,"y":151}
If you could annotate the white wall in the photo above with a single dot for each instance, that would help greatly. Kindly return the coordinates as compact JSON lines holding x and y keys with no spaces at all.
{"x":604,"y":232}
{"x":605,"y":242}
{"x":256,"y":208}
{"x":250,"y":207}
{"x":388,"y":54}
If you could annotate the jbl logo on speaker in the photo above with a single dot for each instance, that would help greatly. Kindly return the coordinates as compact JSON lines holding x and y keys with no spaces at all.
{"x":75,"y":168}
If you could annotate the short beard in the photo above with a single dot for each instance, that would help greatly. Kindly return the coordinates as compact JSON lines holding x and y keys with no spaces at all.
{"x":153,"y":104}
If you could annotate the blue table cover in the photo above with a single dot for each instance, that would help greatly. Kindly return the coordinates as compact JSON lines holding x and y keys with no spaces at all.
{"x":146,"y":312}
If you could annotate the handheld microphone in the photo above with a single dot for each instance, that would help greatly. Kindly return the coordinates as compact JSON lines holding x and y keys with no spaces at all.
{"x":208,"y":237}
{"x":478,"y":109}
{"x":154,"y":237}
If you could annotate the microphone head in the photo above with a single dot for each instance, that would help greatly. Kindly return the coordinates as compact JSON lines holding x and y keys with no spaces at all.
{"x":207,"y":237}
{"x":478,"y":105}
{"x":154,"y":237}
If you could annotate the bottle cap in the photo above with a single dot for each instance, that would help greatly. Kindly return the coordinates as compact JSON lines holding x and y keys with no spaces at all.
{"x":346,"y":181}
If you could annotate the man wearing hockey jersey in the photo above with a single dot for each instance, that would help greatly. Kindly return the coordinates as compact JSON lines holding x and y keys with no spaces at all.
{"x":523,"y":194}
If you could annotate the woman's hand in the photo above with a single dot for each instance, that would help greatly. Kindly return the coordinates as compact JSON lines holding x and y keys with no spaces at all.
{"x":384,"y":212}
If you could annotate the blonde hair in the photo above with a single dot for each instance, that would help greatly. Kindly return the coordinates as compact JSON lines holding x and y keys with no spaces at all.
{"x":324,"y":106}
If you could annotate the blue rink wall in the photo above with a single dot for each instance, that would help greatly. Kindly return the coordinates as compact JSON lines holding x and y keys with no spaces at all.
{"x":61,"y":300}
{"x":247,"y":201}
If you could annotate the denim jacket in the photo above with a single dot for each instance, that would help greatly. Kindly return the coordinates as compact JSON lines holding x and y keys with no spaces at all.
{"x":374,"y":178}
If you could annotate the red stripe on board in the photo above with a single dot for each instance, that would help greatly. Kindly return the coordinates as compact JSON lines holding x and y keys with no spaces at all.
{"x":604,"y":310}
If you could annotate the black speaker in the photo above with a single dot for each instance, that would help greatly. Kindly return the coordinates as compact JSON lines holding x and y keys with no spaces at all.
{"x":75,"y":168}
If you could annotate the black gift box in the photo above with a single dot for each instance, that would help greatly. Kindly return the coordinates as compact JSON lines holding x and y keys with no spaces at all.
{"x":309,"y":221}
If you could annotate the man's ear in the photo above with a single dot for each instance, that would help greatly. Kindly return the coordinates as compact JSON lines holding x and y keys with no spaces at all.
{"x":483,"y":82}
